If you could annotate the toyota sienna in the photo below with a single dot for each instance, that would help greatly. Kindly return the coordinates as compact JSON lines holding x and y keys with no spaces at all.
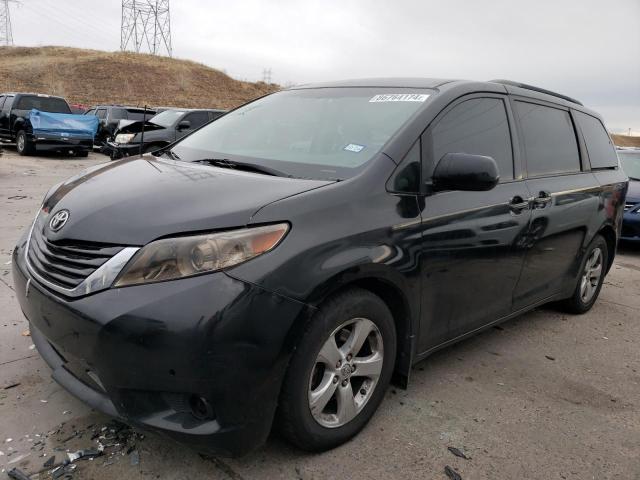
{"x":284,"y":263}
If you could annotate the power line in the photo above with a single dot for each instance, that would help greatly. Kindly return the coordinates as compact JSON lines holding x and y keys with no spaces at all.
{"x":146,"y":26}
{"x":6,"y":34}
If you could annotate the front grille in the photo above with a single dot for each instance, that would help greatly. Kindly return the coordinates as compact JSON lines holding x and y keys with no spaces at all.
{"x":66,"y":263}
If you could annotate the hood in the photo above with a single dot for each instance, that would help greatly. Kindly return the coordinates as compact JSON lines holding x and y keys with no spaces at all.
{"x":633,"y":193}
{"x":132,"y":202}
{"x":130,"y":126}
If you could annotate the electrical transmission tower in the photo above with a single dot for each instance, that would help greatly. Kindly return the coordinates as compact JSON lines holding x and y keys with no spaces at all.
{"x":6,"y":35}
{"x":266,"y":75}
{"x":146,"y":26}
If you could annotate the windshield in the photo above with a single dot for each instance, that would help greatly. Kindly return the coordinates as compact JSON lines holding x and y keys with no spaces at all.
{"x":44,"y":104}
{"x":630,"y":162}
{"x":167,"y":118}
{"x":323,"y":133}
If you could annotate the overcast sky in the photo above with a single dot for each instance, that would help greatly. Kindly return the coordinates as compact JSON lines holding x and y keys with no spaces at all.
{"x":587,"y":49}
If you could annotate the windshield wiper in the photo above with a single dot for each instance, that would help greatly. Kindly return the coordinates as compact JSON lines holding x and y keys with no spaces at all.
{"x":246,"y":167}
{"x":169,"y":153}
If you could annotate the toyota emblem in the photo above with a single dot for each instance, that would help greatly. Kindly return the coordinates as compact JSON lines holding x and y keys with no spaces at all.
{"x":58,"y":220}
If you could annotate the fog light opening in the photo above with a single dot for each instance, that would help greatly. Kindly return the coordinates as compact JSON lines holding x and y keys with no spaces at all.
{"x":200,"y":408}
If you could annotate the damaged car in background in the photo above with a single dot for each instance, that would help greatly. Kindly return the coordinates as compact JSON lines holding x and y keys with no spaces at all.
{"x":42,"y":123}
{"x":279,"y":266}
{"x":112,"y":116}
{"x":135,"y":137}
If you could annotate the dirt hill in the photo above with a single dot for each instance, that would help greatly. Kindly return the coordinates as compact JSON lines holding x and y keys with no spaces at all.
{"x":626,"y":141}
{"x":92,"y":77}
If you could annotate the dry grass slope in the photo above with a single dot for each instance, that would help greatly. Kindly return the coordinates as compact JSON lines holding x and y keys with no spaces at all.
{"x":92,"y":77}
{"x":626,"y":141}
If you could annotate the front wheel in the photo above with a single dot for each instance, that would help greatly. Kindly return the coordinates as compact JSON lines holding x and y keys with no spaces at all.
{"x":592,"y":272}
{"x":23,"y":146}
{"x":339,"y":372}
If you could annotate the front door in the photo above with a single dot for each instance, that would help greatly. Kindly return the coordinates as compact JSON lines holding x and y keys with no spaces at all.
{"x":472,"y":256}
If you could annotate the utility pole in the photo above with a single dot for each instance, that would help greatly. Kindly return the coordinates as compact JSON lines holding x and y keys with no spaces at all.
{"x":266,"y":76}
{"x":146,"y":27}
{"x":6,"y":34}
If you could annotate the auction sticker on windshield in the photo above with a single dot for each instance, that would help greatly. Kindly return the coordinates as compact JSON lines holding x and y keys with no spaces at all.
{"x":354,"y":147}
{"x":399,"y":97}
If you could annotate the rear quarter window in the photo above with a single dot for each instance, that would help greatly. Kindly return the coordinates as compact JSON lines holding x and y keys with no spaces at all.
{"x":549,"y":139}
{"x":602,"y":153}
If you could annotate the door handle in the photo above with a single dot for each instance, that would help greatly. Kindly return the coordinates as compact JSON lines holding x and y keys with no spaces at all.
{"x":518,"y":204}
{"x":543,"y":199}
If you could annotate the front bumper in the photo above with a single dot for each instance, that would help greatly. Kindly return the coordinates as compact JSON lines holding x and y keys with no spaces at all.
{"x":120,"y":150}
{"x":48,"y":143}
{"x":140,"y":353}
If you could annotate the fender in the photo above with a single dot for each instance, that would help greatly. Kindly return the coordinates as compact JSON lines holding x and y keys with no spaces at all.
{"x":384,"y":282}
{"x":390,"y":285}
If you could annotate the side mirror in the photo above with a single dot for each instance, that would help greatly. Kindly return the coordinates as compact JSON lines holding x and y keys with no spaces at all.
{"x":463,"y":171}
{"x":184,"y":125}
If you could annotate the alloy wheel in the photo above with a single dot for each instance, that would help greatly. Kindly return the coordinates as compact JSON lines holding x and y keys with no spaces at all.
{"x":591,"y":275}
{"x":346,"y":372}
{"x":20,"y":143}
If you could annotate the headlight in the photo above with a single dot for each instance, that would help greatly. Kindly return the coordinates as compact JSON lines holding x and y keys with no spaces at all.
{"x":124,"y":137}
{"x":180,"y":257}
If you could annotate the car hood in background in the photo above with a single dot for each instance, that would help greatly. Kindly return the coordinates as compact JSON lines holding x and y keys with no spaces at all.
{"x":132,"y":202}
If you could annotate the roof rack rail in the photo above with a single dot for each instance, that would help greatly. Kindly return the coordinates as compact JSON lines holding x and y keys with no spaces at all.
{"x":536,"y":89}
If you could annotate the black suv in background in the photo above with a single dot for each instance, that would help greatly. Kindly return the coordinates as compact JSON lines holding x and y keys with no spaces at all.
{"x":110,"y":117}
{"x":160,"y":131}
{"x":15,"y":126}
{"x":285,"y":261}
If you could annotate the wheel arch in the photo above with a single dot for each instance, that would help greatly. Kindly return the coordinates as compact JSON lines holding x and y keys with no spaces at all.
{"x":609,"y":234}
{"x":19,"y":124}
{"x":394,"y":293}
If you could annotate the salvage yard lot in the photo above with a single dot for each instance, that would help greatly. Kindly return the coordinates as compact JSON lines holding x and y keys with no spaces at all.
{"x":546,"y":396}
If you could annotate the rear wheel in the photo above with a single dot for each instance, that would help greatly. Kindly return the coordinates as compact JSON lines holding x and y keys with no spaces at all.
{"x":339,"y":372}
{"x":592,"y":274}
{"x":23,"y":146}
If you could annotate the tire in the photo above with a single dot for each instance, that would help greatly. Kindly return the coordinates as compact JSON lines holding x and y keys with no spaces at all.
{"x":23,"y":146}
{"x":309,"y":373}
{"x":588,"y":287}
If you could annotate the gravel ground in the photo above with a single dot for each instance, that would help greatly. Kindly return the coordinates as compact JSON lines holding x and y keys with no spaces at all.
{"x":545,"y":396}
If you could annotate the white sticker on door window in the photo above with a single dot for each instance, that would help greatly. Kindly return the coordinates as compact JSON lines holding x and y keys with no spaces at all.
{"x":399,"y":97}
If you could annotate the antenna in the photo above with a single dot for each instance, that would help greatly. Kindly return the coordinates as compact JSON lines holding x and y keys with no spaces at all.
{"x":146,"y":27}
{"x":6,"y":34}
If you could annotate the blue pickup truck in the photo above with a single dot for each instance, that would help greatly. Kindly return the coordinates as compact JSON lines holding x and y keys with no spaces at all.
{"x":39,"y":123}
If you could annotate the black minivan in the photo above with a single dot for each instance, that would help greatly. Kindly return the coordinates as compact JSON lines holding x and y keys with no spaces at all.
{"x":285,"y":262}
